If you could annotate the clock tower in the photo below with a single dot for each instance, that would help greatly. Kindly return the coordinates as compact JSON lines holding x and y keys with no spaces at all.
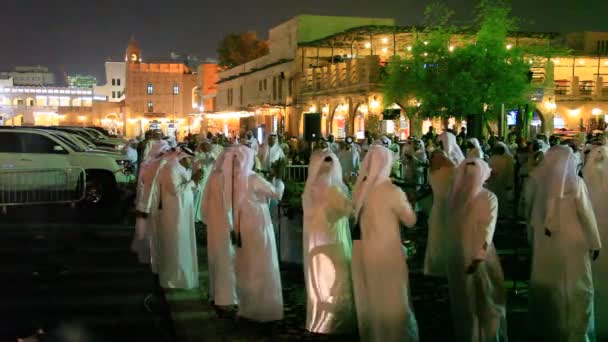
{"x":133,"y":54}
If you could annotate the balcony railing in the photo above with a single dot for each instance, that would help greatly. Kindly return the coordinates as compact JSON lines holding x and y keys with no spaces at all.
{"x":353,"y":72}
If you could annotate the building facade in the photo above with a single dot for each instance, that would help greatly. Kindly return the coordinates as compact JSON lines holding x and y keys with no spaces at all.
{"x":116,"y":77}
{"x":159,"y":95}
{"x":81,"y":81}
{"x":30,"y":76}
{"x":263,"y":95}
{"x":336,"y":71}
{"x":45,"y":106}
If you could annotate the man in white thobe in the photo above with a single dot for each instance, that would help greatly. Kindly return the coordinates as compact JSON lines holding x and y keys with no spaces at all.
{"x":270,"y":152}
{"x":475,"y":278}
{"x":145,"y":241}
{"x":332,"y":144}
{"x":564,"y":236}
{"x":217,"y":210}
{"x":204,"y":158}
{"x":178,"y":264}
{"x":349,"y":160}
{"x":252,"y":142}
{"x":257,"y":266}
{"x":327,"y":248}
{"x":595,"y":174}
{"x":154,"y":146}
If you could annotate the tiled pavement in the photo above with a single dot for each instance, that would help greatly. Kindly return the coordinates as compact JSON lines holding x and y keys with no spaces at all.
{"x":195,"y":320}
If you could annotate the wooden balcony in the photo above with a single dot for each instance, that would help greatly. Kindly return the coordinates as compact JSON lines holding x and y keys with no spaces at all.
{"x":350,"y":75}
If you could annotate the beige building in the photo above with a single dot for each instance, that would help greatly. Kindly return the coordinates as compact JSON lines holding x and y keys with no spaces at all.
{"x":333,"y":66}
{"x":159,"y":95}
{"x":264,"y":93}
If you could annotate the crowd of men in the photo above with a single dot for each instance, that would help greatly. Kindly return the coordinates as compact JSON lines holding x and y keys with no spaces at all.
{"x":355,"y":266}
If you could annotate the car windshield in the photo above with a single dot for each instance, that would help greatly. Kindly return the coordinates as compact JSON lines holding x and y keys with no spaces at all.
{"x":95,"y":133}
{"x":67,"y":142}
{"x":84,"y":140}
{"x":81,"y":132}
{"x":74,"y":139}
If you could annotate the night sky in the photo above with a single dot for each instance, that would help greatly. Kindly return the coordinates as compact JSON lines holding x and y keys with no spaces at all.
{"x":79,"y":35}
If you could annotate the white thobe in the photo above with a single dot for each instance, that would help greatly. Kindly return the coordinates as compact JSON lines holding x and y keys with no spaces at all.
{"x":478,"y":300}
{"x":327,"y":260}
{"x":177,"y":237}
{"x":349,"y":160}
{"x":435,"y":256}
{"x":561,"y":287}
{"x":154,"y":148}
{"x":379,"y":268}
{"x":269,"y":155}
{"x":598,"y":198}
{"x":334,"y":147}
{"x":220,"y":252}
{"x":146,"y":241}
{"x":202,"y":161}
{"x":257,"y":266}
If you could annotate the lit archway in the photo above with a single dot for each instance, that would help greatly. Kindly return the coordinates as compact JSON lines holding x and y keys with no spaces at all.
{"x":338,"y":121}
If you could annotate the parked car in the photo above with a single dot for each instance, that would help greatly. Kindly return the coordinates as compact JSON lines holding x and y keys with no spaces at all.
{"x":30,"y":148}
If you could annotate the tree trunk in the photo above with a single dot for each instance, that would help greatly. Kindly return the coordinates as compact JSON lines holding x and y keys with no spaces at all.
{"x":475,"y":126}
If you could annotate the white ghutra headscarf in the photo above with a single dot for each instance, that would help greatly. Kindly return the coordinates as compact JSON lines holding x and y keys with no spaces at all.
{"x":468,"y":182}
{"x":376,"y":169}
{"x":595,"y":171}
{"x":451,"y":148}
{"x":324,"y":171}
{"x":554,"y":179}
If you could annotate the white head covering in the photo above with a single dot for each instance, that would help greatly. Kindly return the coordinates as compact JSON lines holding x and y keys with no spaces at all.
{"x":451,"y":148}
{"x":595,"y":171}
{"x":320,"y":178}
{"x":507,"y":149}
{"x":376,"y":169}
{"x":555,"y":179}
{"x":158,"y":147}
{"x":468,"y":182}
{"x":476,"y":152}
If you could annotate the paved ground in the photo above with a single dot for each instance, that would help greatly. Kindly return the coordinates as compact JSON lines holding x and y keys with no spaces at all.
{"x":195,"y":320}
{"x":78,"y":282}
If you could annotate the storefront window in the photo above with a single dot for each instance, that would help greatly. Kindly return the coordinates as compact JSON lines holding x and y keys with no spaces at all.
{"x":339,"y":127}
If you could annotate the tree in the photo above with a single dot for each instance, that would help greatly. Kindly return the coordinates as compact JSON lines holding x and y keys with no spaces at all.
{"x":240,"y":48}
{"x":468,"y":79}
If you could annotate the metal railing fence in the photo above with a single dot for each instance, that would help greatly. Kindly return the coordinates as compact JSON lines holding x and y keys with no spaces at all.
{"x":41,"y":186}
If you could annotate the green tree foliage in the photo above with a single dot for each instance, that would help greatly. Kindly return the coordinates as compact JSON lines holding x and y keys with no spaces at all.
{"x":239,"y":48}
{"x":444,"y":77}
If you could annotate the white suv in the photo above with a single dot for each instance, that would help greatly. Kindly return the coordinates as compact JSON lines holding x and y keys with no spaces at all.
{"x":23,"y":148}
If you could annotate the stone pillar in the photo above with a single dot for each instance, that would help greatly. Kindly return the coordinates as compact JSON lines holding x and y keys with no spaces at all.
{"x":350,"y":122}
{"x":574,"y":89}
{"x":599,"y":83}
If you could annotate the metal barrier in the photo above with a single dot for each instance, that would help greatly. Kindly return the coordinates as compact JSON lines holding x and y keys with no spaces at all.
{"x":41,"y":186}
{"x":296,"y":173}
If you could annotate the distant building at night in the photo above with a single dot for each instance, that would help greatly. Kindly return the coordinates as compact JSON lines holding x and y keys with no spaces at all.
{"x":30,"y":76}
{"x":81,"y":81}
{"x":114,"y":88}
{"x":332,"y":66}
{"x":160,"y":95}
{"x":264,"y":94}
